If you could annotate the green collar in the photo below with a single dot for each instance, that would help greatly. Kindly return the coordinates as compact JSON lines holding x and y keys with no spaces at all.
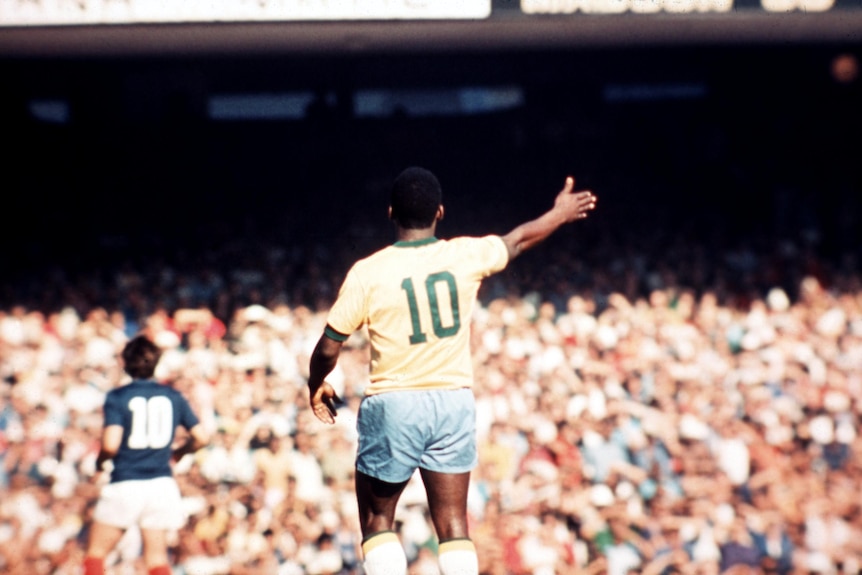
{"x":415,"y":243}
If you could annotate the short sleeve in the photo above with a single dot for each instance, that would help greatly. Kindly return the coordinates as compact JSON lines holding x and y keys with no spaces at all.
{"x":487,"y":255}
{"x":349,"y":311}
{"x":112,"y":410}
{"x":187,"y":417}
{"x":497,"y":253}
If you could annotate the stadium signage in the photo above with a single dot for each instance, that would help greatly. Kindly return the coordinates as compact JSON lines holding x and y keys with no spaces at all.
{"x":20,"y":13}
{"x":667,"y":6}
{"x":71,"y":12}
{"x":621,"y":6}
{"x":800,"y":5}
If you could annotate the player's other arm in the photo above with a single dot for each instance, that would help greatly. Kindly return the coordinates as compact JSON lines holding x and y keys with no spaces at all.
{"x":323,"y":360}
{"x":112,"y":438}
{"x":569,"y":206}
{"x":198,"y":439}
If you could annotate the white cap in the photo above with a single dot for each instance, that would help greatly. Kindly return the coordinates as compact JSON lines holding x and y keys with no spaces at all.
{"x":256,"y":312}
{"x":601,"y":495}
{"x":822,"y":429}
{"x":777,"y":300}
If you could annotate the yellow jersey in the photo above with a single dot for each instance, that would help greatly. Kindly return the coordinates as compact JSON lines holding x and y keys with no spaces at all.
{"x":417,"y":300}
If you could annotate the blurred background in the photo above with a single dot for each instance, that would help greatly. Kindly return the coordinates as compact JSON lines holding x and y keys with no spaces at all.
{"x":234,"y":158}
{"x":121,"y":134}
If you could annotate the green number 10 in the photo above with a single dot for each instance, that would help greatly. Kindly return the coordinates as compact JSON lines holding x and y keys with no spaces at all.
{"x":440,"y":330}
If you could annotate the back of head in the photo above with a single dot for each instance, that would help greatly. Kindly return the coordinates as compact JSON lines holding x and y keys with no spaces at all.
{"x":140,"y":357}
{"x":416,"y":196}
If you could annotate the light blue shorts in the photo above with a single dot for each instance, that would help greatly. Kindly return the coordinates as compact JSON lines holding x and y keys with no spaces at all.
{"x":400,"y":431}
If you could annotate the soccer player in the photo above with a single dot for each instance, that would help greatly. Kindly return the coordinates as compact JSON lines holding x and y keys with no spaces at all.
{"x":140,"y":421}
{"x":416,"y":298}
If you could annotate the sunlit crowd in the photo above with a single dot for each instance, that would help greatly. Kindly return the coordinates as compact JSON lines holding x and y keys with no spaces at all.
{"x":633,"y":417}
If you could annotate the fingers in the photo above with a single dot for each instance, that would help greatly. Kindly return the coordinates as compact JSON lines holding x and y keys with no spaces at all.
{"x":324,"y":413}
{"x":569,"y":187}
{"x":324,"y":405}
{"x":331,"y":405}
{"x":588,"y":201}
{"x":576,"y":204}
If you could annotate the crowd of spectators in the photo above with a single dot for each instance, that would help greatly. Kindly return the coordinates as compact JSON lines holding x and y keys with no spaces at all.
{"x":689,"y":412}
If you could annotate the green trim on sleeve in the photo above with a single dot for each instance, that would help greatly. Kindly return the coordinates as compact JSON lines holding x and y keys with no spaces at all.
{"x":332,"y":334}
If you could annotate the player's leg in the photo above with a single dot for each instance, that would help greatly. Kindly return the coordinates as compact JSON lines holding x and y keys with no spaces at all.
{"x":390,"y":446}
{"x":162,"y":513}
{"x":382,"y":550}
{"x":114,"y":513}
{"x":450,"y":454}
{"x":103,"y":539}
{"x":155,"y":543}
{"x":447,"y":502}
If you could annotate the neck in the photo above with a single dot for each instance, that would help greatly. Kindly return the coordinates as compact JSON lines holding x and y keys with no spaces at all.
{"x":404,"y":235}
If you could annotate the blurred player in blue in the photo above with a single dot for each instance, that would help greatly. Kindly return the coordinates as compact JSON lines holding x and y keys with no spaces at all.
{"x":416,"y":298}
{"x":140,"y":421}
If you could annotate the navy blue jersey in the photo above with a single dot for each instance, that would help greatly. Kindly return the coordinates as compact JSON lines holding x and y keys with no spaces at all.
{"x":149,"y":413}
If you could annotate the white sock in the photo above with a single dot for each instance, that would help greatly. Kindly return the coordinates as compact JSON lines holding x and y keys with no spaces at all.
{"x":458,"y":557}
{"x":384,"y":555}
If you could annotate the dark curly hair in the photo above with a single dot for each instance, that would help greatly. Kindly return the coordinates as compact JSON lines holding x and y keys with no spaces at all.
{"x":416,"y":196}
{"x":140,"y":357}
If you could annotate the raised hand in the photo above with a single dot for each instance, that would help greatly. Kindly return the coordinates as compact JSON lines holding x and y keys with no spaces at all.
{"x":574,"y":205}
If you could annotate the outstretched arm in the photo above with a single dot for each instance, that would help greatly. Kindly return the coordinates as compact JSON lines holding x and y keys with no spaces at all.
{"x":569,"y":206}
{"x":321,"y":394}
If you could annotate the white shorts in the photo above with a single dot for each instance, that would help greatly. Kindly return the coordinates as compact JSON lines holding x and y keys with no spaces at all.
{"x":147,"y":503}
